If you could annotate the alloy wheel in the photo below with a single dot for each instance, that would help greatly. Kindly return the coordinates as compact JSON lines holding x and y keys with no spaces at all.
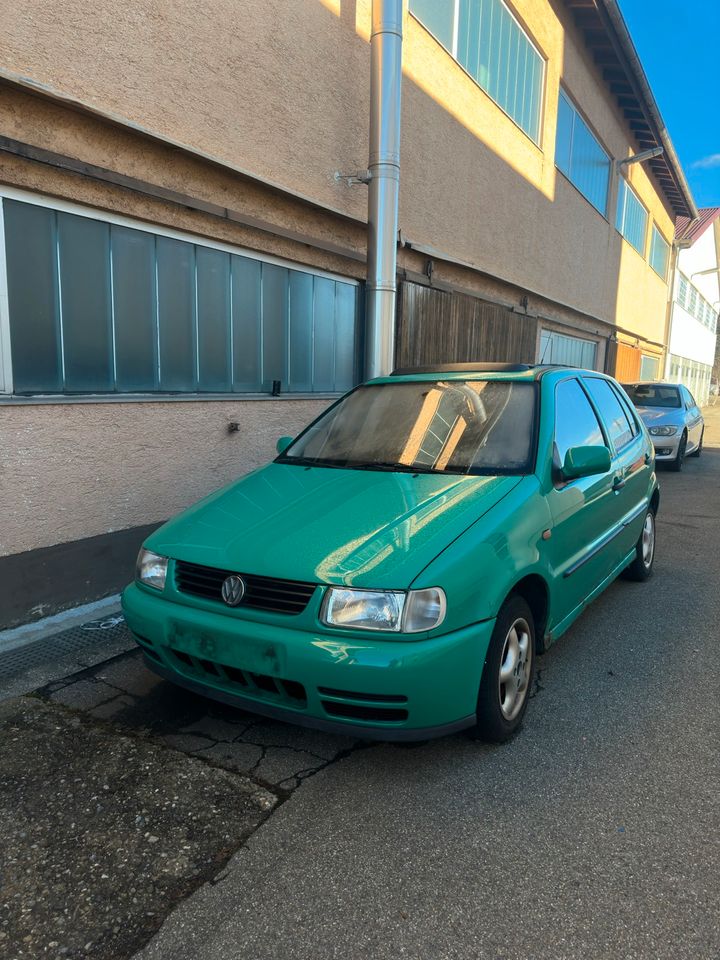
{"x":648,"y":541}
{"x":515,"y":669}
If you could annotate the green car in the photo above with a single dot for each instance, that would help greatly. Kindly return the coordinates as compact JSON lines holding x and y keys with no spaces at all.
{"x":397,"y":568}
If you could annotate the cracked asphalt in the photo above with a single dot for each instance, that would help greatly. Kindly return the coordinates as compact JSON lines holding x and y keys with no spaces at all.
{"x":124,"y":692}
{"x":593,"y":834}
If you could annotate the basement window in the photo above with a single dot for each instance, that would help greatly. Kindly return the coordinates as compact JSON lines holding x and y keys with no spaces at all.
{"x":104,"y":305}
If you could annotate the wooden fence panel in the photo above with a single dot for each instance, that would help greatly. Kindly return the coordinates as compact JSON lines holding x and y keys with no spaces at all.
{"x":435,"y":326}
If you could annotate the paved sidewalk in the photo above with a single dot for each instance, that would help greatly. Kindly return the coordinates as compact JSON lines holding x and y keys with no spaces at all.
{"x":33,"y":655}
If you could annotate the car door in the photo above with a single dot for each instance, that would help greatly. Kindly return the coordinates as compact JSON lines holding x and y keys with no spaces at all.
{"x":583,"y":511}
{"x":693,"y":418}
{"x":631,"y":464}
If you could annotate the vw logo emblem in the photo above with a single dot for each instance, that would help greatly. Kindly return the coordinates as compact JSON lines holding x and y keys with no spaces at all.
{"x":233,"y":590}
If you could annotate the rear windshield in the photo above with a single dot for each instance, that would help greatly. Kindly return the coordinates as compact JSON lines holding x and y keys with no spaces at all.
{"x":652,"y":395}
{"x":465,"y":427}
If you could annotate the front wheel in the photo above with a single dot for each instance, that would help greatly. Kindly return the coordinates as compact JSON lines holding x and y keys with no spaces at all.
{"x":677,"y":463}
{"x":642,"y":566}
{"x":698,"y":449}
{"x":508,"y":673}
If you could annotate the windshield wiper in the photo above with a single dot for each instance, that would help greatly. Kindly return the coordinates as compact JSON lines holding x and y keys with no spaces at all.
{"x":390,"y":467}
{"x":309,"y":462}
{"x":379,"y":465}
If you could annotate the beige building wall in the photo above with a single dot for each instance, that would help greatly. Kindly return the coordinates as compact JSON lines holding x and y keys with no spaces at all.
{"x":280,"y":88}
{"x":81,"y":469}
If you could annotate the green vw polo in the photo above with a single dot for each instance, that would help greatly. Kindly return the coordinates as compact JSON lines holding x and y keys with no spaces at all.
{"x":397,"y":568}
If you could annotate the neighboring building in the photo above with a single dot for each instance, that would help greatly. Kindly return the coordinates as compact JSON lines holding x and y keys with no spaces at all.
{"x":692,"y":338}
{"x":176,"y":240}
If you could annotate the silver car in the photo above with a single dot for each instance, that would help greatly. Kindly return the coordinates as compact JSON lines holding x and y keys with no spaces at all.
{"x":672,"y":417}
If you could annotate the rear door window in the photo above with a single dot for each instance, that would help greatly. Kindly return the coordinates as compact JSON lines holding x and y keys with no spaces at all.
{"x":576,"y":424}
{"x":611,"y":411}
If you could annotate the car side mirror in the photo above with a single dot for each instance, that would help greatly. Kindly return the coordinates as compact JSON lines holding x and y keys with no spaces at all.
{"x":283,"y":443}
{"x":585,"y":462}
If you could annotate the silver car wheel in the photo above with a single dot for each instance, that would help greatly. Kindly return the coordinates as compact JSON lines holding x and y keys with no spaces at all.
{"x":515,"y":669}
{"x":648,"y":541}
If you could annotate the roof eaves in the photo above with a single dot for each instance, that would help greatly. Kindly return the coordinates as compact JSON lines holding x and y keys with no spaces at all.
{"x":606,"y":30}
{"x":692,"y":230}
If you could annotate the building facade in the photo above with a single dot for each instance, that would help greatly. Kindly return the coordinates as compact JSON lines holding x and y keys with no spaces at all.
{"x":182,"y":254}
{"x":692,"y":336}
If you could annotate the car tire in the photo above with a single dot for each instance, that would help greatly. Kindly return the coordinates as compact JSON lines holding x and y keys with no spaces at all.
{"x":508,"y":673}
{"x":696,"y":453}
{"x":641,"y":568}
{"x":677,"y":463}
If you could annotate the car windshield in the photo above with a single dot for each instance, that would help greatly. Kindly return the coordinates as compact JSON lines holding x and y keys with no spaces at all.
{"x":653,"y":395}
{"x":465,"y":427}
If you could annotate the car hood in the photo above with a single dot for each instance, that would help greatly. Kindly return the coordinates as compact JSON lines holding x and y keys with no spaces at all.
{"x":660,"y":416}
{"x":361,"y":527}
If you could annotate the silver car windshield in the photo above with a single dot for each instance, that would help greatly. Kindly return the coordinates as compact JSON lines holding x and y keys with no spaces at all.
{"x":653,"y":395}
{"x":465,"y":427}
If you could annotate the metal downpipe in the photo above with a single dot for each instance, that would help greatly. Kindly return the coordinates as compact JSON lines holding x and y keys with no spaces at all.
{"x":384,"y":185}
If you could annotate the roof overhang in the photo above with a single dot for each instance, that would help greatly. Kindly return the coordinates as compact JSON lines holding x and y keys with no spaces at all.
{"x":607,"y":37}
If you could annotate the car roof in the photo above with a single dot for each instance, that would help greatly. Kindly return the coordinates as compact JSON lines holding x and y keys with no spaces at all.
{"x":482,"y":371}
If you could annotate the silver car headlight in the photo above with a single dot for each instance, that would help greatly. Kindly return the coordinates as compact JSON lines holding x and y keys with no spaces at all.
{"x":663,"y":431}
{"x":391,"y":610}
{"x":151,"y":569}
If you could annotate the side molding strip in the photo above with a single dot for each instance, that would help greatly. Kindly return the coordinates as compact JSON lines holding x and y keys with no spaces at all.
{"x":607,"y":539}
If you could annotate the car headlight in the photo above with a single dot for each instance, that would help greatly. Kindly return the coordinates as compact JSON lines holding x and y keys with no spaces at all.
{"x":663,"y":431}
{"x":391,"y":610}
{"x":151,"y":569}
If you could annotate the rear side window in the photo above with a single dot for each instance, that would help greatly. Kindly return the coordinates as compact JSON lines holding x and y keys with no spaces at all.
{"x":575,"y":422}
{"x":616,"y":420}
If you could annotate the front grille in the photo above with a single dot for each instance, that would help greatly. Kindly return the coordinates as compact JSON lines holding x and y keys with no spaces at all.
{"x":261,"y":593}
{"x":259,"y":685}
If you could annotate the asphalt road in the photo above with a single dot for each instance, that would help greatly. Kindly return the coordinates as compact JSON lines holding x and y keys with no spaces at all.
{"x":593,"y":834}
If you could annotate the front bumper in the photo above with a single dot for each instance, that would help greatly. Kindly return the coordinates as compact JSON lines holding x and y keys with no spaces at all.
{"x":374,"y":688}
{"x":666,"y":448}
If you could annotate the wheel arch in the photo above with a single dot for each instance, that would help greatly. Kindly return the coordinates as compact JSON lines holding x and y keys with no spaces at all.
{"x":655,"y":500}
{"x":536,"y":593}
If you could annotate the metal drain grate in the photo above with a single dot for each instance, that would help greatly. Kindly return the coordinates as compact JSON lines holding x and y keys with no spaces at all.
{"x":50,"y":649}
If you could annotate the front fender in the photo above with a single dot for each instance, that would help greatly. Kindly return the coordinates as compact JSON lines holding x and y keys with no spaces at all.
{"x":480,"y":568}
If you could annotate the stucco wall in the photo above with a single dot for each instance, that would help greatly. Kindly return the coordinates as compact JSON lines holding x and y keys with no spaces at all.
{"x":45,"y":124}
{"x":77,"y":470}
{"x":280,"y":87}
{"x":230,"y":77}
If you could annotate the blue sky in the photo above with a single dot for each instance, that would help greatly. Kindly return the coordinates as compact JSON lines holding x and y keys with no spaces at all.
{"x":678,"y":43}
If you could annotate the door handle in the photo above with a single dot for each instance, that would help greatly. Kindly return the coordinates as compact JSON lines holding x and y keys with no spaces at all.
{"x":618,"y":483}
